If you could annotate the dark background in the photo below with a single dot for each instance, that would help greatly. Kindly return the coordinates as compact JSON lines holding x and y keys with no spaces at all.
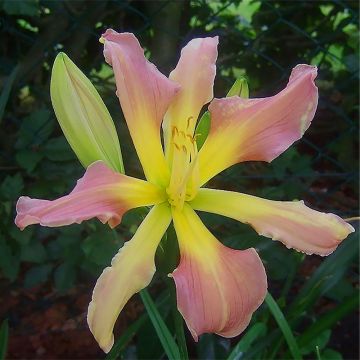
{"x":47,"y":275}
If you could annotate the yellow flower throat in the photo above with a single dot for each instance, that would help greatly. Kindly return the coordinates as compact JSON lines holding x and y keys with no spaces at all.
{"x":184,"y":180}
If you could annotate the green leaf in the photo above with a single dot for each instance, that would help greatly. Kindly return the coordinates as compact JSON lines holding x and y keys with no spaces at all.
{"x":317,"y":342}
{"x":284,"y":326}
{"x":4,"y":97}
{"x":4,"y":337}
{"x":330,"y":354}
{"x":37,"y":275}
{"x":103,"y":240}
{"x":202,"y":129}
{"x":34,"y":252}
{"x":65,"y":276}
{"x":28,"y":159}
{"x":58,"y":149}
{"x":9,"y":263}
{"x":239,"y":88}
{"x":35,"y":129}
{"x":22,"y":237}
{"x":21,"y":7}
{"x":12,"y":187}
{"x":165,"y":337}
{"x":256,"y":331}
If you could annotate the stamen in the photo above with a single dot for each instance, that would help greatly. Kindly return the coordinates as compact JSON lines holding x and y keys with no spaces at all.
{"x":184,"y":180}
{"x":174,"y":130}
{"x":188,"y":122}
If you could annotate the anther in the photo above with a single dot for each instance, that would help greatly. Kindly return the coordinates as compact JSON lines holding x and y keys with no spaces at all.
{"x":177,"y":146}
{"x":184,"y":149}
{"x":174,"y":130}
{"x":188,"y":122}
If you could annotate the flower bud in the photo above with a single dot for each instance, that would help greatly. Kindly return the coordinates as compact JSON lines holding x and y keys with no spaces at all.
{"x":83,"y":116}
{"x":240,"y":88}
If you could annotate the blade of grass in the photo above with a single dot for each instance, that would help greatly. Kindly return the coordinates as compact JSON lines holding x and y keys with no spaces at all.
{"x":165,"y":337}
{"x":325,"y":277}
{"x":263,"y":344}
{"x":179,"y":324}
{"x":284,"y":326}
{"x":125,"y":339}
{"x":258,"y":329}
{"x":4,"y":337}
{"x":131,"y":331}
{"x":329,"y":319}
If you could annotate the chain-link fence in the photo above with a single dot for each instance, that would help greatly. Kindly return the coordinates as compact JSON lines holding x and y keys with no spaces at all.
{"x":259,"y":39}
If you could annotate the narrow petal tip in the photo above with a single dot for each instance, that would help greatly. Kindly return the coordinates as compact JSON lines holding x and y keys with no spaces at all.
{"x":303,"y":69}
{"x":101,"y":193}
{"x":259,"y":129}
{"x":131,"y":269}
{"x":292,"y":222}
{"x":24,"y":206}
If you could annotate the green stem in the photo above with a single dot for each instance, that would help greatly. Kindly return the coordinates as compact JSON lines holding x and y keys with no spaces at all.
{"x":318,"y":356}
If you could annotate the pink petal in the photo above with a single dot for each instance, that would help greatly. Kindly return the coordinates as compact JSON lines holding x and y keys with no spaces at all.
{"x":100,"y":193}
{"x":290,"y":222}
{"x":218,"y":288}
{"x":144,"y":95}
{"x":195,"y":72}
{"x":259,"y":129}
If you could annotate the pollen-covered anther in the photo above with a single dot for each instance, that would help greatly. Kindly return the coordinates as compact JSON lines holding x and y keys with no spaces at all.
{"x":188,"y":122}
{"x":183,"y":181}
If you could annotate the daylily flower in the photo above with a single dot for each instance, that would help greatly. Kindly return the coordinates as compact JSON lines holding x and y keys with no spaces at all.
{"x":218,"y":288}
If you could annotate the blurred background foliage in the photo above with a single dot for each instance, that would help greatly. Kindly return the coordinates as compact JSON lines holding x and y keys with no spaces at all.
{"x":49,"y":273}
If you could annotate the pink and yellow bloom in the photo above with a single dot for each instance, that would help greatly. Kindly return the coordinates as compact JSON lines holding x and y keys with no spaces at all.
{"x":218,"y":288}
